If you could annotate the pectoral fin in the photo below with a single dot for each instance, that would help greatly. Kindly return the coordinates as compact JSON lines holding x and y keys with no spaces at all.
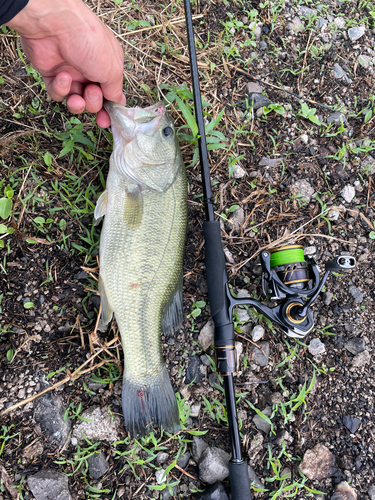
{"x":107,"y":310}
{"x":101,"y":207}
{"x":133,"y":210}
{"x":172,"y":312}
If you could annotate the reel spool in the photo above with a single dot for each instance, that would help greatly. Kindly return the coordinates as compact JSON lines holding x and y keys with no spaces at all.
{"x":290,"y":266}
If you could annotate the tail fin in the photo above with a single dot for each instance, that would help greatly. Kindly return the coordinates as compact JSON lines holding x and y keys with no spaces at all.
{"x":145,"y":406}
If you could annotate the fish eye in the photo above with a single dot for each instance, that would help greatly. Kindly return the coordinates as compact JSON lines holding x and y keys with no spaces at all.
{"x":167,"y":131}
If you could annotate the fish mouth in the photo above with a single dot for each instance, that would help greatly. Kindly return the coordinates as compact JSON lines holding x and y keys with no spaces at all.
{"x":137,"y":114}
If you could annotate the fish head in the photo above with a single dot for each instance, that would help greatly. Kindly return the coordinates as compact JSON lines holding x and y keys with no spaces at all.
{"x":145,"y":146}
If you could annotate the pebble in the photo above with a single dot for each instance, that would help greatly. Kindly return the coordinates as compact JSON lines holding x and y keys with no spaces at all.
{"x":228,"y":255}
{"x":253,"y":88}
{"x":195,"y":409}
{"x":256,"y":446}
{"x":183,"y":460}
{"x":321,"y":23}
{"x":101,"y":426}
{"x":98,"y":465}
{"x":206,"y":335}
{"x":355,"y":345}
{"x":302,"y":190}
{"x":159,"y":476}
{"x":257,"y":333}
{"x":260,"y":423}
{"x":259,"y":101}
{"x":351,"y":423}
{"x":348,"y":193}
{"x":237,"y":219}
{"x":340,"y":74}
{"x":316,"y":347}
{"x":340,"y":22}
{"x":356,"y":33}
{"x":263,"y":45}
{"x":336,"y":118}
{"x":344,"y":491}
{"x":283,"y":436}
{"x":318,"y":463}
{"x":48,"y":484}
{"x":215,"y":492}
{"x":193,"y":373}
{"x":307,"y":12}
{"x":371,"y":492}
{"x":213,"y":465}
{"x":309,"y":250}
{"x":261,"y":357}
{"x":213,"y":380}
{"x":254,"y":480}
{"x":296,"y":24}
{"x":361,"y":359}
{"x":238,"y":172}
{"x":162,"y":457}
{"x":368,"y":164}
{"x":327,"y":298}
{"x":49,"y":414}
{"x":270,"y":162}
{"x":198,"y":446}
{"x":356,"y":294}
{"x":365,"y":61}
{"x":333,"y":215}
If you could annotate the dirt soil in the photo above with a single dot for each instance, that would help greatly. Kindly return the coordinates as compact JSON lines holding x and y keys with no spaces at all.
{"x":49,"y":268}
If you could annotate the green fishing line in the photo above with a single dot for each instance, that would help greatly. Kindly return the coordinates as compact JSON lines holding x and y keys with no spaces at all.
{"x":287,"y":256}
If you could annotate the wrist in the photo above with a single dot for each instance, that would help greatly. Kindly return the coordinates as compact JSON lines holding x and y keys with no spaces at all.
{"x":44,"y":18}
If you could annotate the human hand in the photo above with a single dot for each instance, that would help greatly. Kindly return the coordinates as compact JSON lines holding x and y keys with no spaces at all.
{"x":78,"y":57}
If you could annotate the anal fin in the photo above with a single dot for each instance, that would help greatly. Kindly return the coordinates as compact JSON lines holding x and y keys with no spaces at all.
{"x":101,"y":207}
{"x":107,"y":311}
{"x":172,"y":312}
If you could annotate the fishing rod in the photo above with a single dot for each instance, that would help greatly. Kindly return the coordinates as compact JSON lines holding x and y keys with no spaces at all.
{"x":288,"y":279}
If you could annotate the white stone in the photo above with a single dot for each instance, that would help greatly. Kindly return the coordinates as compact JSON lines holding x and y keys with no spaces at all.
{"x":365,"y":61}
{"x":304,"y":138}
{"x":257,"y":333}
{"x":228,"y":256}
{"x":348,"y":193}
{"x":316,"y":347}
{"x":356,"y":33}
{"x":206,"y":335}
{"x":238,"y":172}
{"x":339,"y":22}
{"x":195,"y":409}
{"x":296,"y":24}
{"x":309,"y":250}
{"x":159,"y":476}
{"x":239,"y":349}
{"x":333,"y":215}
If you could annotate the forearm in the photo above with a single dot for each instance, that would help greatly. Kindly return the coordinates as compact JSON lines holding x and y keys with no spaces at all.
{"x":10,"y":8}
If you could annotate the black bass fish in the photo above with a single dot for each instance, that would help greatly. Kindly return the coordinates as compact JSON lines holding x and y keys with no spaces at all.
{"x":141,"y":251}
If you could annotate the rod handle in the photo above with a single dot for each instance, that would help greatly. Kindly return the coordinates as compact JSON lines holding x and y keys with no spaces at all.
{"x":239,"y":480}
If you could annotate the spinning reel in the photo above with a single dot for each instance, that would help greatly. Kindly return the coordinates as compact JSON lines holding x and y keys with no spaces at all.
{"x":294,"y":283}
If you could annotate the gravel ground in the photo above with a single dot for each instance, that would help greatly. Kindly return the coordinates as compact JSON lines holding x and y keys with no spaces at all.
{"x":289,"y":166}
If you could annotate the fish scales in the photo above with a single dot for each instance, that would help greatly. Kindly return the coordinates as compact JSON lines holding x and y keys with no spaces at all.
{"x":141,"y":269}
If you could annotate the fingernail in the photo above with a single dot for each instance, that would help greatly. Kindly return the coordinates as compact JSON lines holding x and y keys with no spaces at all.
{"x":93,"y":96}
{"x":64,"y":82}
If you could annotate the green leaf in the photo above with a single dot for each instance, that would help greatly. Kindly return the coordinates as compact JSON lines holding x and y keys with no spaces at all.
{"x":10,"y":355}
{"x":47,"y":159}
{"x":368,"y":115}
{"x":67,"y":148}
{"x":31,"y":240}
{"x":372,"y":235}
{"x":197,"y":433}
{"x":190,"y":120}
{"x":8,"y":192}
{"x":233,"y":208}
{"x":2,"y":81}
{"x":28,"y":305}
{"x":196,"y":312}
{"x":2,"y":244}
{"x":315,"y":120}
{"x":210,"y":147}
{"x":39,"y":220}
{"x":62,"y":224}
{"x":6,"y":206}
{"x":200,"y":303}
{"x":3,"y":229}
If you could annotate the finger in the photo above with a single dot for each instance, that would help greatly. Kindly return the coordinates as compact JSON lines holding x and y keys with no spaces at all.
{"x":59,"y":87}
{"x":93,"y":97}
{"x":112,"y":89}
{"x":102,"y":119}
{"x":76,"y":104}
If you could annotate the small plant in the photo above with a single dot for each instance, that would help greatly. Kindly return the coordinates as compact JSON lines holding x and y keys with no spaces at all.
{"x":309,"y":114}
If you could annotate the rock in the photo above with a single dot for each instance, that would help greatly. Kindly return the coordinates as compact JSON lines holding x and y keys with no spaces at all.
{"x":321,"y":23}
{"x":237,"y":219}
{"x":213,"y":465}
{"x":351,"y":423}
{"x":307,"y":12}
{"x":356,"y":33}
{"x":318,"y":463}
{"x":257,"y":333}
{"x":167,"y":496}
{"x":333,"y":215}
{"x":162,"y":457}
{"x":49,"y":485}
{"x":361,"y":359}
{"x":283,"y":436}
{"x":355,"y":345}
{"x":309,"y":251}
{"x":195,"y":409}
{"x":256,"y":446}
{"x":327,"y":298}
{"x":348,"y":193}
{"x":100,"y":426}
{"x":316,"y":347}
{"x":32,"y":451}
{"x":238,"y":172}
{"x":198,"y":446}
{"x":260,"y":423}
{"x":228,"y":255}
{"x":259,"y":101}
{"x":193,"y":373}
{"x":213,"y":380}
{"x":160,"y":478}
{"x":368,"y":164}
{"x":98,"y":465}
{"x":215,"y":492}
{"x":263,"y":45}
{"x":239,"y":349}
{"x":261,"y":354}
{"x":49,"y":414}
{"x":344,"y":492}
{"x":253,"y":88}
{"x":270,"y":162}
{"x":254,"y":480}
{"x":302,"y":190}
{"x":356,"y":294}
{"x":340,"y":74}
{"x":339,"y":22}
{"x":365,"y":61}
{"x":371,"y":492}
{"x":206,"y":335}
{"x":183,"y":460}
{"x":296,"y":25}
{"x":336,"y":118}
